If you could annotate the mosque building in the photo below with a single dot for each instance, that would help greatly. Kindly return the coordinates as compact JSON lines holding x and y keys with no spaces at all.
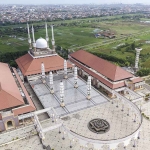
{"x":42,"y":62}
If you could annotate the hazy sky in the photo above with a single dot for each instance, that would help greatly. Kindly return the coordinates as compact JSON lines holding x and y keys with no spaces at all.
{"x":71,"y":1}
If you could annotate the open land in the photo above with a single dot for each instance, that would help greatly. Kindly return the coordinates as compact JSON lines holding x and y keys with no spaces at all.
{"x":80,"y":34}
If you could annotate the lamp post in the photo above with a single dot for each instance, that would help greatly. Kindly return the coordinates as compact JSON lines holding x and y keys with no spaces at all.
{"x":135,"y":118}
{"x":128,"y":111}
{"x":117,"y":102}
{"x":64,"y":135}
{"x":71,"y":141}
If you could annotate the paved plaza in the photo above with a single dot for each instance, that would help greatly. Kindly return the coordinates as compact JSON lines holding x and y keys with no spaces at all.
{"x":76,"y":114}
{"x":75,"y":99}
{"x":121,"y":125}
{"x":54,"y":139}
{"x":36,"y":102}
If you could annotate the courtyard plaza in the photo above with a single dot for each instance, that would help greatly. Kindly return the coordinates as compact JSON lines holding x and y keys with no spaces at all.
{"x":75,"y":99}
{"x":121,"y":125}
{"x":76,"y":114}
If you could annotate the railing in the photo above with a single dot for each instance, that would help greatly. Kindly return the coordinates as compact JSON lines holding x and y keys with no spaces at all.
{"x":113,"y":141}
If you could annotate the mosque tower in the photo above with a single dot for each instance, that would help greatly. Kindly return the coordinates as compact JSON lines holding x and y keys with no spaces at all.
{"x":34,"y":44}
{"x":47,"y":38}
{"x":138,"y":50}
{"x":53,"y":40}
{"x":29,"y":38}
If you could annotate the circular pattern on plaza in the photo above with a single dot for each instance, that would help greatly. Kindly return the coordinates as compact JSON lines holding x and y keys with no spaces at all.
{"x":123,"y":123}
{"x":98,"y":126}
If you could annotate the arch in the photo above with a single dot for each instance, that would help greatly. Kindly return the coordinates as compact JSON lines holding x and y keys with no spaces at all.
{"x":9,"y":124}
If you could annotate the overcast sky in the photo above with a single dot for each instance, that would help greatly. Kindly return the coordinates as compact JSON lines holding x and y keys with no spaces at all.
{"x":72,"y":1}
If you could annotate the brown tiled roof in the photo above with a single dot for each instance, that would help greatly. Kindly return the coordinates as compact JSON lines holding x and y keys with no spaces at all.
{"x":136,"y":80}
{"x":9,"y":93}
{"x":104,"y":67}
{"x":30,"y":65}
{"x":107,"y":83}
{"x":26,"y":108}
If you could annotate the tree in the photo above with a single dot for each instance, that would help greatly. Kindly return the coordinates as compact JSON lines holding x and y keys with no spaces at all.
{"x":143,"y":72}
{"x":133,"y":46}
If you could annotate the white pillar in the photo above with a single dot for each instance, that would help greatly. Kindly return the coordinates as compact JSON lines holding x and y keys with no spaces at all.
{"x":75,"y":77}
{"x":89,"y":88}
{"x":47,"y":38}
{"x":43,"y":71}
{"x":53,"y":40}
{"x":62,"y":104}
{"x":29,"y":38}
{"x":65,"y":69}
{"x":51,"y":82}
{"x":34,"y":44}
{"x":138,"y":50}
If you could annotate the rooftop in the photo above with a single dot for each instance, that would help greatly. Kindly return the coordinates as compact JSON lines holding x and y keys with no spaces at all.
{"x":104,"y":67}
{"x":30,"y":66}
{"x":10,"y":95}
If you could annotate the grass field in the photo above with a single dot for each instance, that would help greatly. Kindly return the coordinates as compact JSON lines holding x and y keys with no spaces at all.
{"x":80,"y":32}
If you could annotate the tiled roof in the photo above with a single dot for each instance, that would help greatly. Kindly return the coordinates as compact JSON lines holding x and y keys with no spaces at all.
{"x":107,"y":83}
{"x":30,"y":65}
{"x":9,"y":93}
{"x":136,"y":80}
{"x":26,"y":108}
{"x":104,"y":67}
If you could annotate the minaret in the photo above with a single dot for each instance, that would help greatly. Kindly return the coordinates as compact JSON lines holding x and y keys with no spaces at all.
{"x":89,"y":88}
{"x":51,"y":82}
{"x":62,"y":104}
{"x":47,"y":38}
{"x":34,"y":44}
{"x":65,"y":69}
{"x":138,"y":50}
{"x":53,"y":40}
{"x":29,"y":38}
{"x":43,"y":72}
{"x":75,"y":78}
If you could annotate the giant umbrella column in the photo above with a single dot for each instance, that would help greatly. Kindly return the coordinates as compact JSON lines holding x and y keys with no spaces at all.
{"x":51,"y":83}
{"x":62,"y":104}
{"x":65,"y":69}
{"x":89,"y":88}
{"x":75,"y":78}
{"x":43,"y":72}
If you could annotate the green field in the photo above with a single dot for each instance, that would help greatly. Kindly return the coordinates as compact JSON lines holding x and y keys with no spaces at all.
{"x":79,"y":34}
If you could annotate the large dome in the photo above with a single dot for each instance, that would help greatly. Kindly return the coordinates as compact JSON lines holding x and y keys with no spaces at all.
{"x":41,"y":43}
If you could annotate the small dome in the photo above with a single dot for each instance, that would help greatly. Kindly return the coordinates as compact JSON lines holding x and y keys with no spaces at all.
{"x":41,"y":43}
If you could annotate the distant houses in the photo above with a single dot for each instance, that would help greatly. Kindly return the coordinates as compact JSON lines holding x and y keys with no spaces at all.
{"x":107,"y":34}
